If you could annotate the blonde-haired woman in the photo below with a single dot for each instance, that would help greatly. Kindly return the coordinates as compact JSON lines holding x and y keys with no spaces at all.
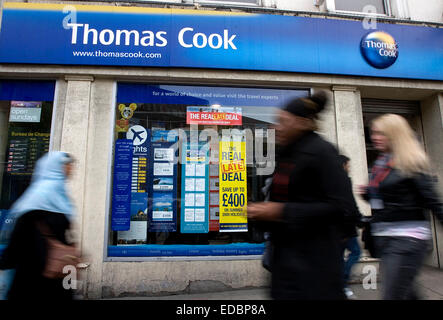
{"x":399,"y":191}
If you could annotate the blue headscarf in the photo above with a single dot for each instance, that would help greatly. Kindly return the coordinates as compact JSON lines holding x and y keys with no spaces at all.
{"x":47,"y":191}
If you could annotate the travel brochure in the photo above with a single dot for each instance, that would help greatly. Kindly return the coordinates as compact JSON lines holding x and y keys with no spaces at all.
{"x":195,"y":189}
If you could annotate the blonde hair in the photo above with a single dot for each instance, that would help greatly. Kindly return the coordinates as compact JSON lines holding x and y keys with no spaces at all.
{"x":408,"y":154}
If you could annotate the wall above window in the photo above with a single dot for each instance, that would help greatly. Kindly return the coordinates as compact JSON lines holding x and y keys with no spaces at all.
{"x":377,"y":7}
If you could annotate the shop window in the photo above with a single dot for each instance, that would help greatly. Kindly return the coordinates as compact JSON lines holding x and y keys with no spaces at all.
{"x":358,"y":6}
{"x":25,"y":126}
{"x":187,"y":160}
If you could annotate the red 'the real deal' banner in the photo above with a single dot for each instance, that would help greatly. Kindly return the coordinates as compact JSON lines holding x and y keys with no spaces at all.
{"x":226,"y":116}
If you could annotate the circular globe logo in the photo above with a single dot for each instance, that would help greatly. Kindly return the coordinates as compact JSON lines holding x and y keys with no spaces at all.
{"x":379,"y":49}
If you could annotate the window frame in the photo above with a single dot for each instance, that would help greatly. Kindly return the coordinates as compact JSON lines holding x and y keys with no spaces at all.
{"x":330,"y":7}
{"x":109,"y":187}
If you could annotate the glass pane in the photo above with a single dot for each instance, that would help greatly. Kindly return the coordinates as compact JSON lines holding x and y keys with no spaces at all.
{"x":171,"y":204}
{"x":25,"y":127}
{"x":358,"y":5}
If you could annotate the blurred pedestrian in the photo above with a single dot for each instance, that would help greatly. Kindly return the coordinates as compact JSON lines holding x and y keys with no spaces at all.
{"x":308,"y":200}
{"x":44,"y":205}
{"x":400,"y":190}
{"x":350,"y":235}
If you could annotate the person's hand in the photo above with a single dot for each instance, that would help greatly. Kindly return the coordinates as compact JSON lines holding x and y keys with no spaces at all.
{"x":268,"y":211}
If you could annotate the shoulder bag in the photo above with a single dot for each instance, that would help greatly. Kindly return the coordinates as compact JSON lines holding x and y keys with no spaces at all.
{"x":59,"y":255}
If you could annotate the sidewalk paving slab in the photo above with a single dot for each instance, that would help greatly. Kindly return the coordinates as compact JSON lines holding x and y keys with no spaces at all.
{"x":429,"y":285}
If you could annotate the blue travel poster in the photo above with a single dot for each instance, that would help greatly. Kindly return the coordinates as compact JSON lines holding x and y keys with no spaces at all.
{"x":121,"y":189}
{"x":140,"y":137}
{"x":137,"y":234}
{"x":164,"y":136}
{"x":162,"y":213}
{"x":163,"y":184}
{"x":195,"y":189}
{"x":139,"y":206}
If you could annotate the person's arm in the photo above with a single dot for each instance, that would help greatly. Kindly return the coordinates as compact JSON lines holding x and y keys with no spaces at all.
{"x":364,"y":193}
{"x":426,"y":188}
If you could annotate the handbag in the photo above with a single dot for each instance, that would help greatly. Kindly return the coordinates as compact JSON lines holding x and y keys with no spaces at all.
{"x":59,"y":255}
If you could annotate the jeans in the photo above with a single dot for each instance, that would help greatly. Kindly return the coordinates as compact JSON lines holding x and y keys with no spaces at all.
{"x":353,"y":246}
{"x":401,"y":260}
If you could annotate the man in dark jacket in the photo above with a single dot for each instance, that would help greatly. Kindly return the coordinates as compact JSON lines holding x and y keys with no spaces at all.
{"x":308,"y":203}
{"x":349,"y":234}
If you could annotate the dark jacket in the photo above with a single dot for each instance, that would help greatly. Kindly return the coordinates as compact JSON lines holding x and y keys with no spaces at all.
{"x":349,"y":228}
{"x":27,"y":252}
{"x":307,"y":260}
{"x":407,"y":198}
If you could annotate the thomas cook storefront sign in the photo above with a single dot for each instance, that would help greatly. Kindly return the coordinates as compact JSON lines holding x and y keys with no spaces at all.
{"x":379,"y":49}
{"x":149,"y":37}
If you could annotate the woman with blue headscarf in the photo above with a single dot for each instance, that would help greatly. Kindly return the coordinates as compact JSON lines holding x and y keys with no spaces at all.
{"x":45,"y":203}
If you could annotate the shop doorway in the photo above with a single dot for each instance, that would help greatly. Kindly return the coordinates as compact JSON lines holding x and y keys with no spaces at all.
{"x":410,"y":110}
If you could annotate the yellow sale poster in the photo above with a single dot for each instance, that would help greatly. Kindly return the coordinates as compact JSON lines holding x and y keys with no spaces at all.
{"x":233,"y":186}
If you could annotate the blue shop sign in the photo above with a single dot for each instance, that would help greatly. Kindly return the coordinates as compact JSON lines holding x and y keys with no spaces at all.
{"x":149,"y":37}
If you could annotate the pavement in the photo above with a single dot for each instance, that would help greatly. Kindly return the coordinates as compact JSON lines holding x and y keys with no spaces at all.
{"x":429,"y":286}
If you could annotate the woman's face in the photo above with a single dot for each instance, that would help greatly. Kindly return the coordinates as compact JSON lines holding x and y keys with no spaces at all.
{"x":290,"y":127}
{"x":380,"y":141}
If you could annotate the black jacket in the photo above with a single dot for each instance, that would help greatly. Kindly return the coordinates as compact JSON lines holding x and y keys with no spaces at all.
{"x":27,"y":253}
{"x":349,"y":228}
{"x":407,"y":198}
{"x":307,"y":260}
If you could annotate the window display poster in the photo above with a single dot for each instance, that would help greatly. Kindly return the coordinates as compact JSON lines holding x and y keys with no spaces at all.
{"x":139,"y":174}
{"x":214,"y":208}
{"x":233,"y":186}
{"x":164,"y":135}
{"x":162,"y":206}
{"x":225,"y":116}
{"x":25,"y":111}
{"x":162,"y":212}
{"x":24,"y":149}
{"x":140,"y":137}
{"x":121,"y":192}
{"x":195,"y":189}
{"x":137,"y":233}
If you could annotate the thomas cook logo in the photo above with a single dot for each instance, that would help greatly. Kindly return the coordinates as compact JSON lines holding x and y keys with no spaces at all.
{"x":379,"y":49}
